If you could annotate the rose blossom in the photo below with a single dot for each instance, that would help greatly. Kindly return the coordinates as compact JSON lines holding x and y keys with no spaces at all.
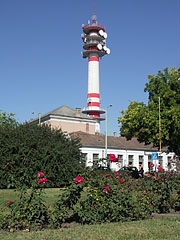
{"x":8,"y":202}
{"x":106,"y":189}
{"x":160,"y":169}
{"x":78,"y":179}
{"x":113,"y":158}
{"x":151,"y":165}
{"x":42,"y":180}
{"x":121,"y":181}
{"x":41,"y":173}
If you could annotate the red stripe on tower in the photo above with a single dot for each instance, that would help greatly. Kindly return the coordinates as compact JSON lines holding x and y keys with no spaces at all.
{"x":93,"y":59}
{"x":94,"y":104}
{"x":94,"y":114}
{"x":96,"y":95}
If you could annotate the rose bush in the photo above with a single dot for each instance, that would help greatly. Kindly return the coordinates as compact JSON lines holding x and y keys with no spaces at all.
{"x":29,"y":211}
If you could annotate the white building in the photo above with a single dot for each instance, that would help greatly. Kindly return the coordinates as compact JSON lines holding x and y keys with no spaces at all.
{"x":130,"y":153}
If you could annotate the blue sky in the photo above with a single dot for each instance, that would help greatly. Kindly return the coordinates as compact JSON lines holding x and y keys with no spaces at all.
{"x":41,"y":67}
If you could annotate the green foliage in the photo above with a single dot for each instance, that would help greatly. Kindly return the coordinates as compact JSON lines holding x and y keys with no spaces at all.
{"x":113,"y":197}
{"x":29,"y":211}
{"x":26,"y":149}
{"x":142,"y":121}
{"x":3,"y":220}
{"x":7,"y":119}
{"x":95,"y":197}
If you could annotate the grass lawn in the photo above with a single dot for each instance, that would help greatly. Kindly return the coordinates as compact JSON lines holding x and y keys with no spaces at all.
{"x":10,"y":195}
{"x":165,"y":228}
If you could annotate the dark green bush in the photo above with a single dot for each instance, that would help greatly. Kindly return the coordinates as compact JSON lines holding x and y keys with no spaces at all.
{"x":26,"y":149}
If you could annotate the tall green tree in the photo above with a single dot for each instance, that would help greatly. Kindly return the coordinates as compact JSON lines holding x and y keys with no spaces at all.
{"x":142,"y":120}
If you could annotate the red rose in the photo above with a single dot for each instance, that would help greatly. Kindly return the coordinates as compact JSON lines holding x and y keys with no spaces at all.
{"x":42,"y":180}
{"x":121,"y":181}
{"x":8,"y":202}
{"x":116,"y":174}
{"x":160,"y":169}
{"x":78,"y":179}
{"x":106,"y":189}
{"x":41,"y":173}
{"x":113,"y":158}
{"x":151,"y":165}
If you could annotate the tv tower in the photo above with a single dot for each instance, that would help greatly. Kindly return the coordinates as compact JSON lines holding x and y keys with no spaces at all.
{"x":94,"y":38}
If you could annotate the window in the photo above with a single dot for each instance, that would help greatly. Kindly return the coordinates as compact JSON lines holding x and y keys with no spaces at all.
{"x":120,"y":160}
{"x":131,"y":159}
{"x":141,"y":160}
{"x":169,"y":162}
{"x":95,"y":157}
{"x":149,"y":159}
{"x":160,"y":161}
{"x":120,"y":157}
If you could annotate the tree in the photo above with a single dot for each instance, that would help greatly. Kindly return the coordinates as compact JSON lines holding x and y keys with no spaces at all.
{"x":7,"y":119}
{"x":142,"y":120}
{"x":27,"y":149}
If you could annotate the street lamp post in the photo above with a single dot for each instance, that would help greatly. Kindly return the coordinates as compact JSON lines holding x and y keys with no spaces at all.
{"x":106,"y":130}
{"x":39,"y":117}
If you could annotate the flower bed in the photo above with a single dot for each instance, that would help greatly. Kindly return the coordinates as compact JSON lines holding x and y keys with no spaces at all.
{"x":95,"y":197}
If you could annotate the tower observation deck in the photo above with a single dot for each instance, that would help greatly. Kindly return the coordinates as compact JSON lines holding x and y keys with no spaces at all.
{"x":94,"y":38}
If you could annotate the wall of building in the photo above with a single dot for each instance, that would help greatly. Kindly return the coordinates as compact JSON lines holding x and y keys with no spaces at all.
{"x":126,"y":157}
{"x":73,"y":126}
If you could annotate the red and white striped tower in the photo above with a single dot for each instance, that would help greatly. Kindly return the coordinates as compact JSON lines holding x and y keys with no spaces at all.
{"x":94,"y":38}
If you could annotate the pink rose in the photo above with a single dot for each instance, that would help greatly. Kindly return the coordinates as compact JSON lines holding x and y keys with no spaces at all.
{"x":78,"y":179}
{"x":142,"y":195}
{"x":160,"y":169}
{"x":8,"y":202}
{"x":116,"y":174}
{"x":122,"y":190}
{"x":40,"y":181}
{"x":151,"y":165}
{"x":106,"y":189}
{"x":41,"y":173}
{"x":121,"y":181}
{"x":44,"y":180}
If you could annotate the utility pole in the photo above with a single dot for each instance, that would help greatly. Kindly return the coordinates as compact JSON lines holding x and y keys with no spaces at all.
{"x":106,"y":130}
{"x":160,"y":126}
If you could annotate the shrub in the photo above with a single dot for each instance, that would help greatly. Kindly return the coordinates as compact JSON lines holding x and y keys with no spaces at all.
{"x":25,"y":149}
{"x":102,"y":198}
{"x":29,"y":211}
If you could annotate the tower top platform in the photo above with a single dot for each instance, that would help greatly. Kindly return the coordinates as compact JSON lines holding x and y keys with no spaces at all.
{"x":89,"y":28}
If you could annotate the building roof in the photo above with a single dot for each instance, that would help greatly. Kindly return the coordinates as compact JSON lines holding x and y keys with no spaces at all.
{"x":64,"y":111}
{"x":89,"y":140}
